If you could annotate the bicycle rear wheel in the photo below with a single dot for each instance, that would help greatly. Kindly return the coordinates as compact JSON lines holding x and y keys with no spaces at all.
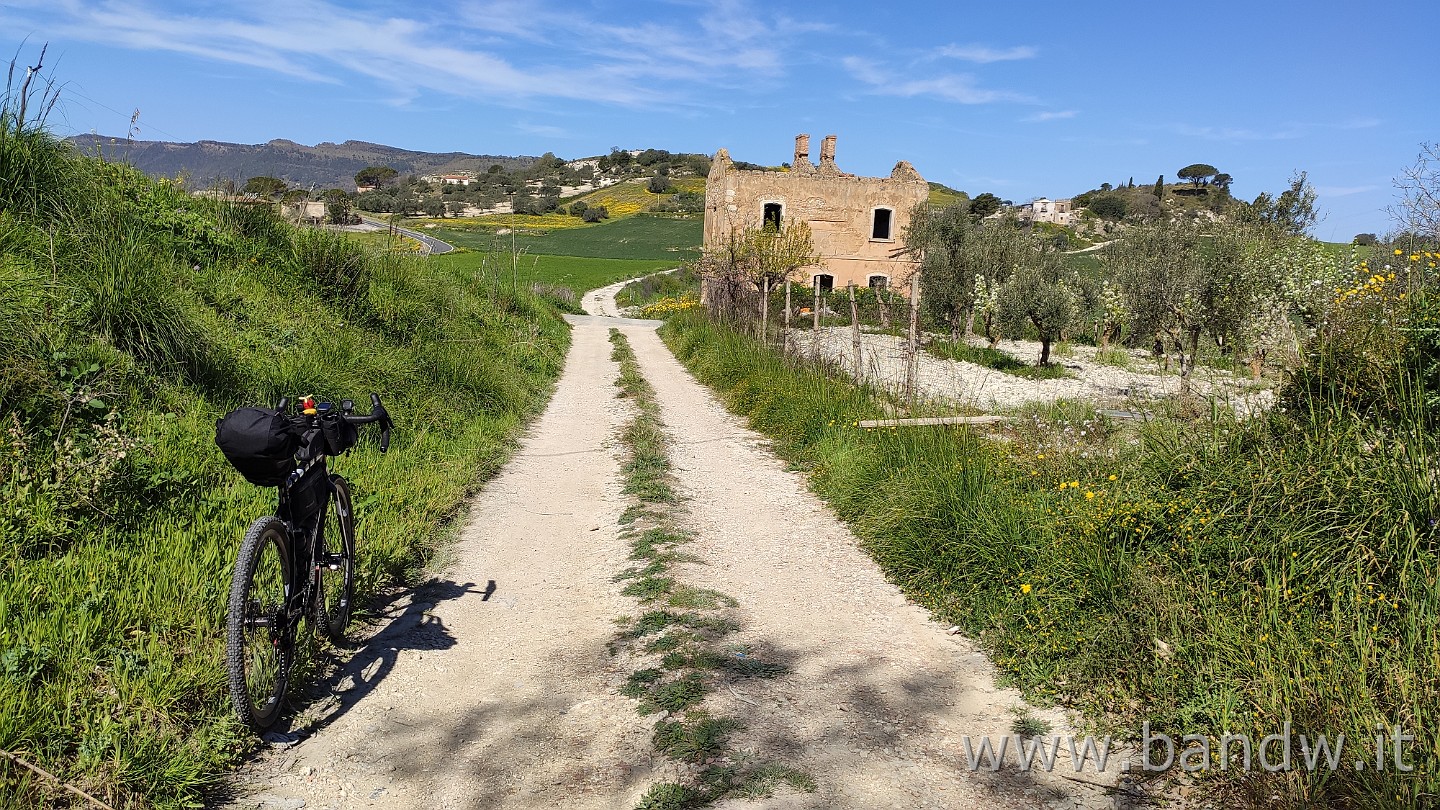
{"x":259,"y":641}
{"x":336,"y":573}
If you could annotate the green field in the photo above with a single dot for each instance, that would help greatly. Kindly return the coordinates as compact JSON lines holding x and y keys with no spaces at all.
{"x":653,"y":238}
{"x":580,"y":274}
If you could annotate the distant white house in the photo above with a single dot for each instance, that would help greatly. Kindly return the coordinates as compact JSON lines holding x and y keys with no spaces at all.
{"x":457,"y":179}
{"x":1057,"y":212}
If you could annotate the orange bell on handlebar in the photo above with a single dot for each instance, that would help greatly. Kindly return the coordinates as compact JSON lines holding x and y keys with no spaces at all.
{"x":307,"y":405}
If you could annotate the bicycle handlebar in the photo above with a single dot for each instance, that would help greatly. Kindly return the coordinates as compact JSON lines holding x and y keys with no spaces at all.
{"x":377,"y":414}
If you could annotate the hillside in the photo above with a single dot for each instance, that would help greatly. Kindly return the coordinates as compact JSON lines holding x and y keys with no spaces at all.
{"x":325,"y":165}
{"x":123,"y":336}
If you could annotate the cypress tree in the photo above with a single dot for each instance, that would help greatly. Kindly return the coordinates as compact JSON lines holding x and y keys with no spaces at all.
{"x":1160,"y":188}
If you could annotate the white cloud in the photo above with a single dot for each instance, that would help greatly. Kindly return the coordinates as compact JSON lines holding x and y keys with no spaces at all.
{"x":958,"y":87}
{"x":543,"y":130}
{"x":1210,"y":133}
{"x":1344,"y":191}
{"x":506,"y":49}
{"x":983,"y":54}
{"x":1042,"y":117}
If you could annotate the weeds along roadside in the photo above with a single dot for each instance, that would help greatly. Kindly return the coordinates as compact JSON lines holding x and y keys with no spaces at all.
{"x":679,"y":634}
{"x":1217,"y":576}
{"x":132,"y":315}
{"x":676,"y":285}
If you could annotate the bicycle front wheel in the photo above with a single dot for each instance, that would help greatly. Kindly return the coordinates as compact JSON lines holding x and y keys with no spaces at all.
{"x":336,"y":569}
{"x":259,"y":640}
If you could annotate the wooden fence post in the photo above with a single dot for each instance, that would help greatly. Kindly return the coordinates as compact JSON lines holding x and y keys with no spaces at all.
{"x":912,"y":345}
{"x":815,"y":323}
{"x":855,"y":332}
{"x":785,"y":348}
{"x":765,"y":310}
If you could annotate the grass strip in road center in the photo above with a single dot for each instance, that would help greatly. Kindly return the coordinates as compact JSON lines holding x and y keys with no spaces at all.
{"x":677,"y":636}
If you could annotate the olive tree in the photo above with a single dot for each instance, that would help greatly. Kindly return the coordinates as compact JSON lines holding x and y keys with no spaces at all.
{"x":961,"y":259}
{"x":1184,"y":284}
{"x":1044,"y":295}
{"x":994,"y":251}
{"x":937,"y":238}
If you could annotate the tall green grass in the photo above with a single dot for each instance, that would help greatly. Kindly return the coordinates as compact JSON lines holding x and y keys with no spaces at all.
{"x":132,"y":315}
{"x":1218,"y":576}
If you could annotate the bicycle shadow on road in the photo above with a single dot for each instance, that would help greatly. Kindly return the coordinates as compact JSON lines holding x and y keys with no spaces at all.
{"x":405,"y":622}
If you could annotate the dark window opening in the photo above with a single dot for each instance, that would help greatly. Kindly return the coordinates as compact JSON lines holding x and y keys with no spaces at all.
{"x":878,"y":282}
{"x":881,"y":229}
{"x":825,"y":282}
{"x":773,"y":213}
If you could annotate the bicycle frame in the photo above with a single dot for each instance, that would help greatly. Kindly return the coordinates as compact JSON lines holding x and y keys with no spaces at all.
{"x":305,"y":547}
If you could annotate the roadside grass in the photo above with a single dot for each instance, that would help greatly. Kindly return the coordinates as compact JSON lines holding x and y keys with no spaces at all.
{"x":1216,"y":576}
{"x":383,"y":242}
{"x":687,"y":635}
{"x":132,"y":315}
{"x":660,"y":286}
{"x":985,"y":356}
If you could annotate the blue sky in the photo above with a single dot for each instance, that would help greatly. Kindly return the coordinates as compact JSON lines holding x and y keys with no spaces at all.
{"x":1019,"y":99}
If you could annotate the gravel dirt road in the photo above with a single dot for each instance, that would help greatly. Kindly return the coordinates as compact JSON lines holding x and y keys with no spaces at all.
{"x":491,"y":687}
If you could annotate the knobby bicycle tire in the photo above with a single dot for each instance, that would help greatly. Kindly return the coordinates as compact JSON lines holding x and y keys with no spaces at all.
{"x":336,"y":580}
{"x":258,"y":647}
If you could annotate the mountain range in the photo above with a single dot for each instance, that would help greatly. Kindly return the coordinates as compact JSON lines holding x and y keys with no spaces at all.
{"x":325,"y":165}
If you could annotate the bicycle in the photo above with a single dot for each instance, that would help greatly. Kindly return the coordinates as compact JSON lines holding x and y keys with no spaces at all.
{"x":292,"y":564}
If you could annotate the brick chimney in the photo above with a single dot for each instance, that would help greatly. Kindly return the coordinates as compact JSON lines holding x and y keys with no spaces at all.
{"x":802,"y":149}
{"x":827,"y":151}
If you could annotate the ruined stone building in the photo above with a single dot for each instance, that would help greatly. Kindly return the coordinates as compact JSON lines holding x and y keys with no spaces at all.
{"x":857,"y":222}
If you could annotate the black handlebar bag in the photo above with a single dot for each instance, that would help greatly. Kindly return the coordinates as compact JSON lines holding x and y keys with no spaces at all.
{"x":260,"y":443}
{"x":339,"y":434}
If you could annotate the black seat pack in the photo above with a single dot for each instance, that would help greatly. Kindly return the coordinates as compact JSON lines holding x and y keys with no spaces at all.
{"x":260,"y":443}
